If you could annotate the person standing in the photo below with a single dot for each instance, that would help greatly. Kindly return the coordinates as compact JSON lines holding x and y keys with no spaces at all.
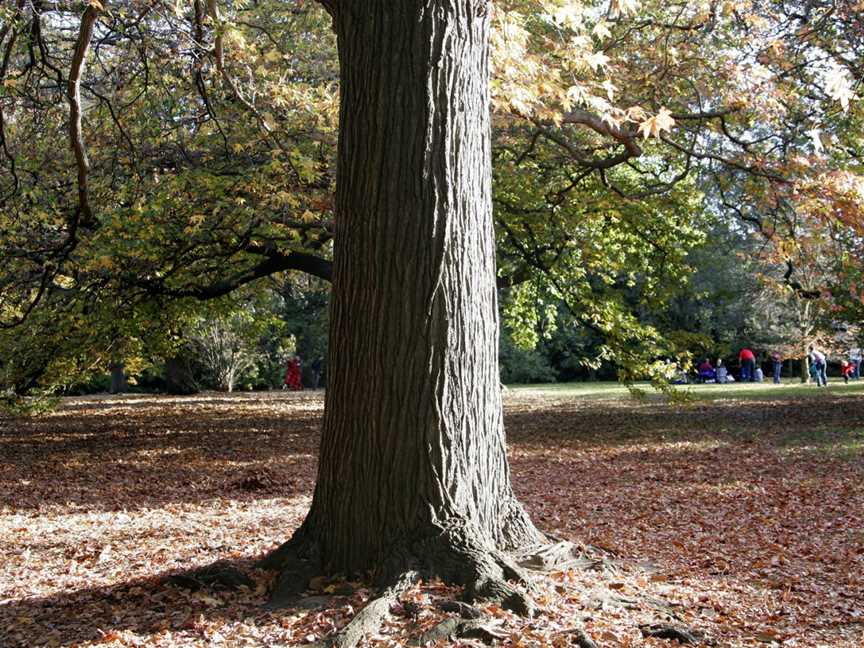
{"x":855,"y":361}
{"x":748,"y":364}
{"x":721,"y":375}
{"x":316,"y":372}
{"x":292,"y":375}
{"x":777,"y":366}
{"x":819,"y":362}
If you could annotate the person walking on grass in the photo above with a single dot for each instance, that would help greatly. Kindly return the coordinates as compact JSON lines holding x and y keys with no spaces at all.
{"x":748,"y":364}
{"x":316,"y":373}
{"x":777,"y":366}
{"x":818,"y":367}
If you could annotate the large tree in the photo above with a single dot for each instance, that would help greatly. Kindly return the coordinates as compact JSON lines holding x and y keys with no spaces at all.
{"x":413,"y":472}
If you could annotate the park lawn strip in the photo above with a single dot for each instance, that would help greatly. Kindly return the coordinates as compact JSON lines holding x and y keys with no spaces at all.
{"x":614,"y":391}
{"x":742,"y":523}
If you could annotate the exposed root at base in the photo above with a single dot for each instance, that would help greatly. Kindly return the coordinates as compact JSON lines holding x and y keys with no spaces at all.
{"x":580,"y":638}
{"x":684,"y":636}
{"x":369,"y":619}
{"x":456,"y":554}
{"x":458,"y":628}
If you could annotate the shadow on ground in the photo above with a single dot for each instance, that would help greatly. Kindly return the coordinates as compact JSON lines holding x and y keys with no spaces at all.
{"x":143,"y":453}
{"x":151,"y":607}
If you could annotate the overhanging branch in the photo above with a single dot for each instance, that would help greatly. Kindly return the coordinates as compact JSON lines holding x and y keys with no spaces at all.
{"x":273,"y":262}
{"x":595,"y":123}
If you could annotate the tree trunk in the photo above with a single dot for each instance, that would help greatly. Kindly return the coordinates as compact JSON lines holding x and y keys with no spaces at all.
{"x":119,"y":384}
{"x":413,"y":467}
{"x":805,"y":368}
{"x":178,"y":376}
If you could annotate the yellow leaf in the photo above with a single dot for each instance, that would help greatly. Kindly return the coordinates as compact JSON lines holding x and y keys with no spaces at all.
{"x":665,"y":122}
{"x":601,"y":30}
{"x":597,"y":60}
{"x":647,"y":127}
{"x":654,"y":126}
{"x":623,"y":7}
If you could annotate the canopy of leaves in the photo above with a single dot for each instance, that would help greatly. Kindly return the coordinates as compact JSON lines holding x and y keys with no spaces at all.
{"x":156,"y":153}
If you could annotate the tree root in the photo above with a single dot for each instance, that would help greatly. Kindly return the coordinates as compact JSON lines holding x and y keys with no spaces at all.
{"x":670,"y":632}
{"x":298,"y":561}
{"x":560,"y":555}
{"x":455,"y":556}
{"x":370,"y":618}
{"x":217,"y":575}
{"x":580,"y":638}
{"x":453,"y":628}
{"x":563,"y":555}
{"x":456,"y":553}
{"x":462,"y":609}
{"x":498,"y":590}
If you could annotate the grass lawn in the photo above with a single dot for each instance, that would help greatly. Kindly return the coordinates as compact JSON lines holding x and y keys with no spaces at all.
{"x":789,"y":388}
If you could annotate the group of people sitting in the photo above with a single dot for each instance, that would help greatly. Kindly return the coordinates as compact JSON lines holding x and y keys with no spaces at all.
{"x":709,"y":374}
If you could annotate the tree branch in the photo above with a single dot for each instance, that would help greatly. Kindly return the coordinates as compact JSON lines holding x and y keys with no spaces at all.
{"x":273,"y":262}
{"x":83,"y":213}
{"x":796,"y":286}
{"x":625,"y":137}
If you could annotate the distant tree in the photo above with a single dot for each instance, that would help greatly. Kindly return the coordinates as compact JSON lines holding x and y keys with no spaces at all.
{"x":226,"y":347}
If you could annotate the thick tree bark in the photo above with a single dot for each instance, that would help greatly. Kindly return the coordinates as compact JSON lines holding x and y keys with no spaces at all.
{"x":413,"y":462}
{"x":119,"y":384}
{"x":178,"y":376}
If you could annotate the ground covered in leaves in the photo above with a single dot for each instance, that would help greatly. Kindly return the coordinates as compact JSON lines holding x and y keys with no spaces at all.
{"x":740,"y":519}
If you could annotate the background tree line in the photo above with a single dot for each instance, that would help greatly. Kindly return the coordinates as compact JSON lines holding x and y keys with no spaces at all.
{"x":729,"y":301}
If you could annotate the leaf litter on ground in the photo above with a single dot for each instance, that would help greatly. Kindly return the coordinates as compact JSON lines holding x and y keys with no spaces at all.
{"x":738,"y":522}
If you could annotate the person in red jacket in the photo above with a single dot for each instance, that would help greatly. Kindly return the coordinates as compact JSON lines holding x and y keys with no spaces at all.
{"x":748,"y":364}
{"x":847,"y":370}
{"x":292,"y":375}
